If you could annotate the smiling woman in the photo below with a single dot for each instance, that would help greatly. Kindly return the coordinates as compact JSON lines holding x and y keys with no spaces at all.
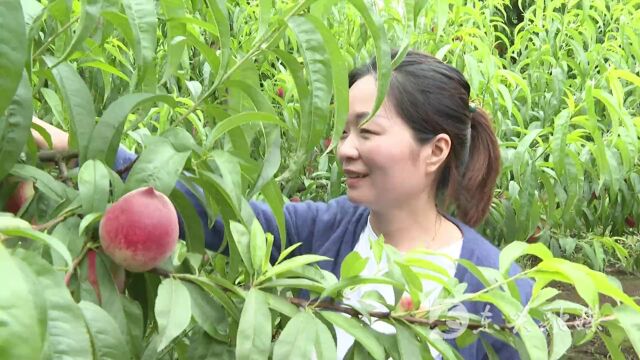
{"x":425,"y":143}
{"x":426,"y":148}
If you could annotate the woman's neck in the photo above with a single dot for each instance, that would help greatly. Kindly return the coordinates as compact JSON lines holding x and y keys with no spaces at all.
{"x":411,"y":226}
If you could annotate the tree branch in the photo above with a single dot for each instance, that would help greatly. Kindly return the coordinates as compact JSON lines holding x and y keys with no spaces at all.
{"x":580,"y":323}
{"x":55,"y":155}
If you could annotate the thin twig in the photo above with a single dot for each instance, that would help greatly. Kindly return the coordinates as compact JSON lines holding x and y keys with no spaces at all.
{"x":64,"y":174}
{"x":44,"y":47}
{"x":51,"y":223}
{"x":74,"y":265}
{"x":161,"y":272}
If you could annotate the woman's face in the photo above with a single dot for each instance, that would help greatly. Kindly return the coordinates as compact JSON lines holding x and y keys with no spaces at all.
{"x":384,"y":164}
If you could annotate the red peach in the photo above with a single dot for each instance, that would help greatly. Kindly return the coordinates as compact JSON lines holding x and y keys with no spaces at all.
{"x":140,"y":230}
{"x":23,"y":192}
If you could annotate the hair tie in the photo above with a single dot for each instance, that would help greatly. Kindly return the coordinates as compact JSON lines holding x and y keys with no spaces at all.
{"x":472,"y":108}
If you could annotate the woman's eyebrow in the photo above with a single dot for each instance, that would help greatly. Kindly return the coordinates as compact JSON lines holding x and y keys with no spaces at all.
{"x":359,"y":116}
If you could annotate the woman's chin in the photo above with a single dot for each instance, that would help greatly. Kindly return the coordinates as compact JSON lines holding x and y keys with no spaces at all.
{"x":357,"y":198}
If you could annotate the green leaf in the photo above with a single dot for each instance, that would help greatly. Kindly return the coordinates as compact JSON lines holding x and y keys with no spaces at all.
{"x":93,"y":184}
{"x":629,"y":320}
{"x":258,"y":247}
{"x":383,"y":53}
{"x":114,"y":303}
{"x":107,"y":339}
{"x":254,"y":329}
{"x":297,"y":338}
{"x":534,"y":340}
{"x":133,"y":316}
{"x":578,"y":275}
{"x":172,"y":310}
{"x":144,"y":23}
{"x":90,"y":11}
{"x":44,"y":182}
{"x":67,"y":334}
{"x":49,"y":240}
{"x":221,"y":18}
{"x":407,"y":343}
{"x":242,"y":239}
{"x":352,"y":265}
{"x":271,"y":162}
{"x":158,"y":166}
{"x":104,"y":67}
{"x":273,"y":195}
{"x":18,"y":314}
{"x":295,"y":283}
{"x":207,"y":312}
{"x":15,"y":122}
{"x":106,"y":136}
{"x":78,"y":104}
{"x":518,"y":248}
{"x":8,"y":221}
{"x":241,"y":119}
{"x":87,"y":221}
{"x":210,"y":287}
{"x":175,"y":49}
{"x":318,"y":70}
{"x":13,"y":52}
{"x":259,"y":100}
{"x":362,"y":334}
{"x":67,"y":233}
{"x":437,"y":342}
{"x":339,"y":76}
{"x":560,"y":337}
{"x":325,"y":345}
{"x":266,"y":8}
{"x":192,"y":223}
{"x":290,"y":264}
{"x":281,"y":305}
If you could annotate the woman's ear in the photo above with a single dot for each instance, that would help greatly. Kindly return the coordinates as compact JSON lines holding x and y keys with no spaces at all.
{"x":437,"y":151}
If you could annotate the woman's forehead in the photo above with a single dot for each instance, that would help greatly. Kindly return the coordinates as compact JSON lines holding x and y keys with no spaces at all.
{"x":362,"y":96}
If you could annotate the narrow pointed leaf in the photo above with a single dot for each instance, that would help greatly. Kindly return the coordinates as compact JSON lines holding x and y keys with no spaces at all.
{"x":107,"y":339}
{"x":297,"y":338}
{"x":15,"y":123}
{"x":78,"y":104}
{"x":254,"y":329}
{"x":172,"y":310}
{"x":13,"y":51}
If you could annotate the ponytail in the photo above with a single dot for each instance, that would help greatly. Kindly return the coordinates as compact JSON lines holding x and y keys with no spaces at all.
{"x":471,"y":185}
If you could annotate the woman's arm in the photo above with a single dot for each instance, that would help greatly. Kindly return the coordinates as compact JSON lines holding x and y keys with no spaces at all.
{"x":59,"y":138}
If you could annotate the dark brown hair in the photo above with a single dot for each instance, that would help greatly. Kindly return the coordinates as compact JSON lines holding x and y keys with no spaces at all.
{"x":433,"y":98}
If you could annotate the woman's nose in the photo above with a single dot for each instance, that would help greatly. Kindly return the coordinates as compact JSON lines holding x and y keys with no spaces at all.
{"x":347,"y":149}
